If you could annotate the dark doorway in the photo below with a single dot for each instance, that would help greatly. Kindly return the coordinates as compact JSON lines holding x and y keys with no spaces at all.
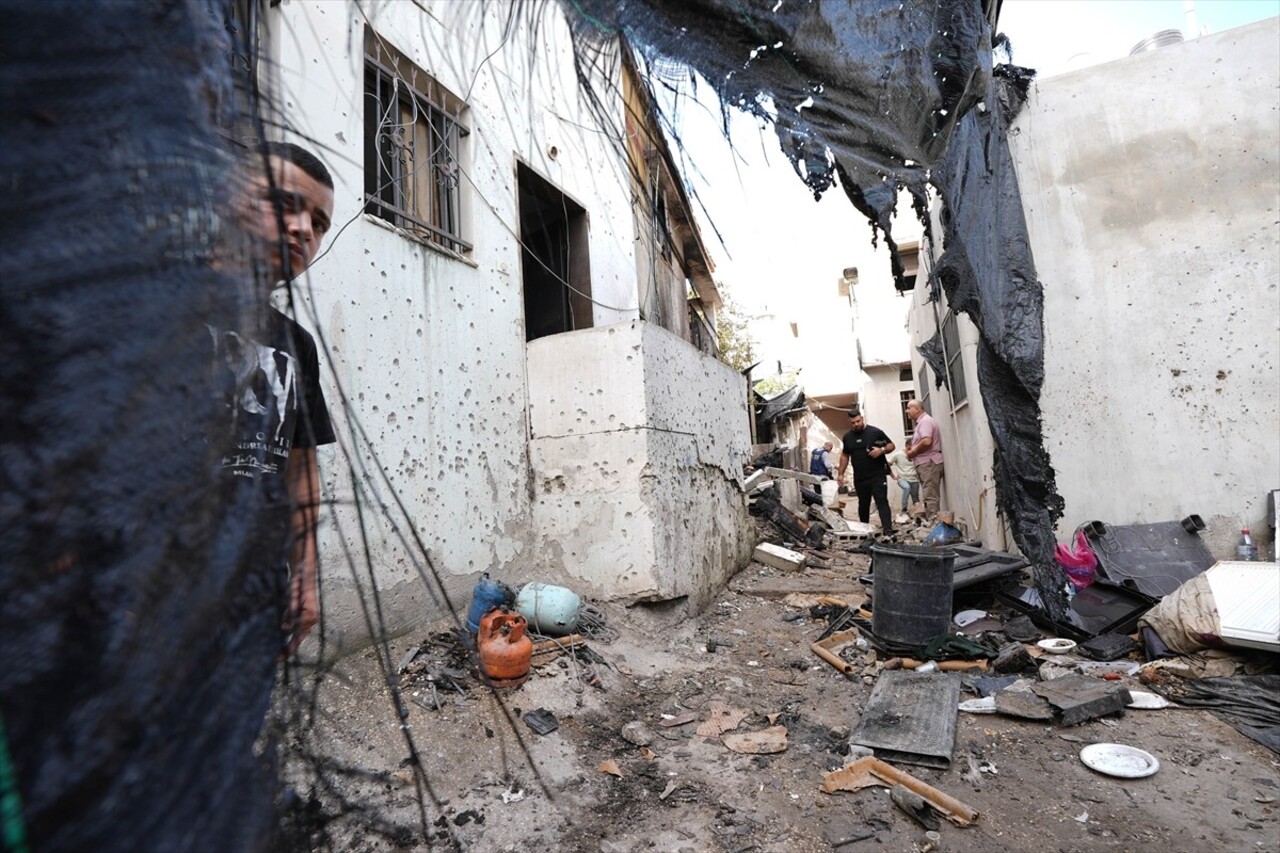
{"x":553,"y":258}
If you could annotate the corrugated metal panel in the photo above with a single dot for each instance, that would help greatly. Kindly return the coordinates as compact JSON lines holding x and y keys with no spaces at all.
{"x":1248,"y":600}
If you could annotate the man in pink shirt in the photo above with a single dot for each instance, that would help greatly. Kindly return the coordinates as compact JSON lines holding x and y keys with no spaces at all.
{"x":925,"y":450}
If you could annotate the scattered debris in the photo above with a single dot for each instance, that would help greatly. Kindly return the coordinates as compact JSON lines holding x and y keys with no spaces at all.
{"x":509,"y":796}
{"x":669,"y":790}
{"x":779,"y":557}
{"x":722,"y":719}
{"x":763,"y":742}
{"x":1013,"y":657}
{"x":1024,"y":705}
{"x":611,"y":767}
{"x":1081,"y":698}
{"x":911,"y":718}
{"x":1150,"y":559}
{"x":915,"y":806}
{"x":868,"y":772}
{"x":830,"y":648}
{"x":637,"y":733}
{"x":1108,"y":647}
{"x":668,"y":721}
{"x":1148,"y":701}
{"x":541,"y":721}
{"x":985,"y":705}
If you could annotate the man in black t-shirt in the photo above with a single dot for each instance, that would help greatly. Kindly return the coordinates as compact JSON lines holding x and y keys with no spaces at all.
{"x":271,"y":375}
{"x":867,"y":447}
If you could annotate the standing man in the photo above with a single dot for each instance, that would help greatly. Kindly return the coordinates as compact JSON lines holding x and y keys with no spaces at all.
{"x":903,"y":472}
{"x":925,"y":451}
{"x":867,"y":447}
{"x":276,"y":406}
{"x":820,"y":462}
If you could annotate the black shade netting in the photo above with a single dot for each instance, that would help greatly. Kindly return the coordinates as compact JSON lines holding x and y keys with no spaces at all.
{"x":141,"y":617}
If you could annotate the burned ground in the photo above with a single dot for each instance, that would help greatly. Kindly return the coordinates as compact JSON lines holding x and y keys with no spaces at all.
{"x":682,"y":791}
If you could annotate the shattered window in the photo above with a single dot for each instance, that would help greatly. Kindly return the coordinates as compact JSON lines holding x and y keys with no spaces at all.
{"x":955,"y":366}
{"x":413,"y":139}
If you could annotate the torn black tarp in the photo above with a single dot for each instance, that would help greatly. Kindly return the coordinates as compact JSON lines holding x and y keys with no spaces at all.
{"x":1249,"y":703}
{"x":865,"y":94}
{"x":988,"y":273}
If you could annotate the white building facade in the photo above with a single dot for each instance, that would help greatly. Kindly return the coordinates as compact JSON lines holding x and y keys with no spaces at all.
{"x":483,"y":264}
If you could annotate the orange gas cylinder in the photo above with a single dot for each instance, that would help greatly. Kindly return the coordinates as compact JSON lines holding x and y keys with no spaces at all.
{"x":505,"y":650}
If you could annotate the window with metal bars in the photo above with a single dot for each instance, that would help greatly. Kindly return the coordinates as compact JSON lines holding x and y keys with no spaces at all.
{"x":955,"y":364}
{"x":413,"y":148}
{"x":908,"y":425}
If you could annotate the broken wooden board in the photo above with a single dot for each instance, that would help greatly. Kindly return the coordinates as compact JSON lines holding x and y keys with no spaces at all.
{"x":778,"y":473}
{"x":911,"y":718}
{"x":1081,"y":698}
{"x":779,"y":557}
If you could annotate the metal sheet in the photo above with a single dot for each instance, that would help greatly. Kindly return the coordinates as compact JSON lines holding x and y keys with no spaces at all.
{"x":1247,"y":596}
{"x":911,"y":718}
{"x":1150,"y":559}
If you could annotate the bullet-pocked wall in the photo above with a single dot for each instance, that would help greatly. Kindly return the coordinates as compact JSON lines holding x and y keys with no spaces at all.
{"x":1151,"y":187}
{"x":638,"y":446}
{"x":422,"y":348}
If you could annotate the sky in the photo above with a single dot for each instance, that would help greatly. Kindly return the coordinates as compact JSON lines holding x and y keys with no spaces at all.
{"x":777,"y":249}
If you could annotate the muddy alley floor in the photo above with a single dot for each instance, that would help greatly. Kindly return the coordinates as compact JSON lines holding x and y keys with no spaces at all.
{"x":666,"y":788}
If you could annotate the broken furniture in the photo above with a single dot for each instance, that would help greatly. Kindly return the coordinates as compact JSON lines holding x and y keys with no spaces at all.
{"x":911,"y":718}
{"x":779,"y":557}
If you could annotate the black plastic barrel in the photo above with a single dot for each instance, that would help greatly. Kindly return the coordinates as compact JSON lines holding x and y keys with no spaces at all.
{"x":912,"y":592}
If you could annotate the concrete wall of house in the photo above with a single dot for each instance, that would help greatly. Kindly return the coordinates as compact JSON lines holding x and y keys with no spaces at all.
{"x":968,"y":485}
{"x":424,"y":353}
{"x":1152,"y":213}
{"x":1151,"y":187}
{"x":881,"y":397}
{"x":643,"y":438}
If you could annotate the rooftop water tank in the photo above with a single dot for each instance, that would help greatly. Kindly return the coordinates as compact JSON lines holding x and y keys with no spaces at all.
{"x":1164,"y":38}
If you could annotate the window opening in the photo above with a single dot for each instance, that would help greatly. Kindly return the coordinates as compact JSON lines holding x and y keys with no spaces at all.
{"x":908,"y":426}
{"x":955,"y":365}
{"x":922,"y":377}
{"x":413,"y":139}
{"x":553,"y":258}
{"x":909,"y":254}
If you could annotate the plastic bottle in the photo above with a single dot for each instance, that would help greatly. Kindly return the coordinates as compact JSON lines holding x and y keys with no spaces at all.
{"x":1246,"y":548}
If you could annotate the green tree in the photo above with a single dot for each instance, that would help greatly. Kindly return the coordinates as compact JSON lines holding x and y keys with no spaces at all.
{"x":732,"y":335}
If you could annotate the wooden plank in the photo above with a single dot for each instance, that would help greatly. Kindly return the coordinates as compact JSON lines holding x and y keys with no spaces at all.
{"x":777,"y":473}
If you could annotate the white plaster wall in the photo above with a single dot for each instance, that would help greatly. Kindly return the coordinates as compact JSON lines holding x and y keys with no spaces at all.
{"x":1151,"y":187}
{"x":424,"y":354}
{"x":881,"y":404}
{"x":637,"y":433}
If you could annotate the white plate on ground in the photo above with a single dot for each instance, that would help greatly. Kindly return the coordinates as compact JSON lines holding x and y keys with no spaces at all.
{"x":1144,"y":701}
{"x":985,"y":705}
{"x":1116,"y":759}
{"x":1057,"y":645}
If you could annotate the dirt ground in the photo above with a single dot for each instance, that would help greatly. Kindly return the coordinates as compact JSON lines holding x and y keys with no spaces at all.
{"x":1215,"y":790}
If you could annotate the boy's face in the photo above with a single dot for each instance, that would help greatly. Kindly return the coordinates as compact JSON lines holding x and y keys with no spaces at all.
{"x":306,"y":207}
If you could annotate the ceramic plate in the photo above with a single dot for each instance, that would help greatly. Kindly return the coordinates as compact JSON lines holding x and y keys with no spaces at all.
{"x":1057,"y":645}
{"x":968,"y":617}
{"x":1116,"y":759}
{"x":1147,"y":701}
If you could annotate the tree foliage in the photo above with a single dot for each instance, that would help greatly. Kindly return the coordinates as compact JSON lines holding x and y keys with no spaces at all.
{"x":736,"y":348}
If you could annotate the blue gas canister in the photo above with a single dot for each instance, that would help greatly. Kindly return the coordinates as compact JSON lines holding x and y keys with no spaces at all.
{"x":487,"y":595}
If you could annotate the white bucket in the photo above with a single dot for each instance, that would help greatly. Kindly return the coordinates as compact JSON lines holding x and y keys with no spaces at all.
{"x":830,"y":492}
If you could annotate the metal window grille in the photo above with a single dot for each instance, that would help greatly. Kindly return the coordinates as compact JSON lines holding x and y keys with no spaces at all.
{"x":413,"y":145}
{"x":955,"y":366}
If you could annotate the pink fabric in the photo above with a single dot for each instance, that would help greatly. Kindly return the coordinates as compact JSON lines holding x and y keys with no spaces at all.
{"x":1078,"y":561}
{"x":928,"y":427}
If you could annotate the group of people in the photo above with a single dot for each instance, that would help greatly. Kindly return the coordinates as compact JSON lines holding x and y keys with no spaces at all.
{"x":917,"y":469}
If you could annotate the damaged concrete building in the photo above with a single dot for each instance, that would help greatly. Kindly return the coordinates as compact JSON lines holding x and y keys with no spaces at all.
{"x":1150,"y":190}
{"x":505,"y":317}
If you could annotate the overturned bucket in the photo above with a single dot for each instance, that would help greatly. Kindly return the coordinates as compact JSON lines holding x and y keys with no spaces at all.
{"x":912,"y":594}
